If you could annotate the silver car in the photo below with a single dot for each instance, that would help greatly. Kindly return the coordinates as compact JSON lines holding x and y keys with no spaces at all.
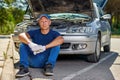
{"x":82,"y":23}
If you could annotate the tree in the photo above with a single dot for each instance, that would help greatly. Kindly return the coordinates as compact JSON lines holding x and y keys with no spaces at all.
{"x":9,"y":16}
{"x":113,"y":8}
{"x":17,"y":15}
{"x":9,"y":1}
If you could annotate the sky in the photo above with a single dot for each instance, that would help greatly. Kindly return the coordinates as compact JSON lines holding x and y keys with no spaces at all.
{"x":19,"y":4}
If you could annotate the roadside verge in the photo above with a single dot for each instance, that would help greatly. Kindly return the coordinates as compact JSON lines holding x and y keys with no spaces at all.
{"x":8,"y":66}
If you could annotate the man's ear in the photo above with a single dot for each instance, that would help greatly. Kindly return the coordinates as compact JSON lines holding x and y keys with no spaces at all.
{"x":49,"y":22}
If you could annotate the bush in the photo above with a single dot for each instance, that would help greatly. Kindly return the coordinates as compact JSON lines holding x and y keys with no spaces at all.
{"x":116,"y":29}
{"x":9,"y":17}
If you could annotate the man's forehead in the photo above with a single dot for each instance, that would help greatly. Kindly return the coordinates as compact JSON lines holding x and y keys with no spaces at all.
{"x":43,"y":15}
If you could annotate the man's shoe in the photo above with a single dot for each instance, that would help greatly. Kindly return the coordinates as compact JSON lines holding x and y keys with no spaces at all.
{"x":48,"y":71}
{"x":22,"y":72}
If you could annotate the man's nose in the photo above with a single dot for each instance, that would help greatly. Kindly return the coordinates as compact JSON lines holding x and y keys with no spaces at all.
{"x":44,"y":22}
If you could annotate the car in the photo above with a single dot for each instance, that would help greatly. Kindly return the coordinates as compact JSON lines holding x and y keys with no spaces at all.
{"x":82,"y":23}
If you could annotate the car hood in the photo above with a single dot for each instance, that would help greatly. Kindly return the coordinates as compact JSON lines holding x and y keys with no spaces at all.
{"x":60,"y":6}
{"x":101,"y":3}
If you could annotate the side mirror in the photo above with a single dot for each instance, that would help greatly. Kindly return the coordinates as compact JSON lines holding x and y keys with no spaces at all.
{"x":26,"y":17}
{"x":106,"y":16}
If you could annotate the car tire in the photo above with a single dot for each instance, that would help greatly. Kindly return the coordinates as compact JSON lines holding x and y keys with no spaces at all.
{"x":106,"y":48}
{"x":96,"y":55}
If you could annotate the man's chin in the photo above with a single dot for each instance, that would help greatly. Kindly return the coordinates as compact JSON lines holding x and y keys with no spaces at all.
{"x":45,"y":28}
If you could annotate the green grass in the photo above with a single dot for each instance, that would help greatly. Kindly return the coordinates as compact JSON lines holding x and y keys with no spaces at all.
{"x":5,"y":55}
{"x":115,"y":36}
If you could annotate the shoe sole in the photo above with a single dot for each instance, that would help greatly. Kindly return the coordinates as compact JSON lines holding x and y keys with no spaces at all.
{"x":22,"y":75}
{"x":49,"y":74}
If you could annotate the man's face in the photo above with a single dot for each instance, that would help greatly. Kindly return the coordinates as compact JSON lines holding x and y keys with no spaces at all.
{"x":44,"y":23}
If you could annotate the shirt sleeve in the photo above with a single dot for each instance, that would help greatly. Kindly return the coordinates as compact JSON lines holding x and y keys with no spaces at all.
{"x":31,"y":33}
{"x":56,"y":34}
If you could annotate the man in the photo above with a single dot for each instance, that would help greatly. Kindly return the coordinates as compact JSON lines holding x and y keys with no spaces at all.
{"x":39,"y":48}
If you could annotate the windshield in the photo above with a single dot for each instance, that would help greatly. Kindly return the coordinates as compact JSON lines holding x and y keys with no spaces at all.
{"x":69,"y":16}
{"x":61,"y":6}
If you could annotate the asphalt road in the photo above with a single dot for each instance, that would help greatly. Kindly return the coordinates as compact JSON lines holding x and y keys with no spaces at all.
{"x":75,"y":67}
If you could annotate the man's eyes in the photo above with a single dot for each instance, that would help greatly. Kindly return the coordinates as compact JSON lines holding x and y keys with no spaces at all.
{"x":43,"y":21}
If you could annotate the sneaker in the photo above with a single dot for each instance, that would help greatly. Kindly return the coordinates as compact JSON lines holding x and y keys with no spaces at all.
{"x":22,"y":72}
{"x":48,"y":71}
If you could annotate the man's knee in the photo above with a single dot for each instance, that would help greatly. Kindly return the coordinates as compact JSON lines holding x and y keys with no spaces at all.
{"x":56,"y":48}
{"x":55,"y":51}
{"x":24,"y":47}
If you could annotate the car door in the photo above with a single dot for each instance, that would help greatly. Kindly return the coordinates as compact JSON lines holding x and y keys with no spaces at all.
{"x":105,"y":27}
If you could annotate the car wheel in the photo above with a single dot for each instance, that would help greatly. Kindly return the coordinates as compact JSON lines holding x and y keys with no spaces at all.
{"x":106,"y":48}
{"x":96,"y":55}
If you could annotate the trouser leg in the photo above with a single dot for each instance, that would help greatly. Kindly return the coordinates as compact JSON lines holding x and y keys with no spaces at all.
{"x":27,"y":58}
{"x":53,"y":55}
{"x":24,"y":52}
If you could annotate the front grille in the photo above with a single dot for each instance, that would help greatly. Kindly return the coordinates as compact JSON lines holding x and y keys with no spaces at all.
{"x":65,"y":46}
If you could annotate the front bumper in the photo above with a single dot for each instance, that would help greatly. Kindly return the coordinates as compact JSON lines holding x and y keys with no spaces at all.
{"x":71,"y":44}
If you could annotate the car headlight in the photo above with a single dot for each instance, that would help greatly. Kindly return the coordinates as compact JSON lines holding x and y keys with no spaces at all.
{"x":81,"y":30}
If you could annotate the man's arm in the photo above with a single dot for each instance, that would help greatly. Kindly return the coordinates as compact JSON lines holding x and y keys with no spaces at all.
{"x":24,"y":37}
{"x":57,"y":41}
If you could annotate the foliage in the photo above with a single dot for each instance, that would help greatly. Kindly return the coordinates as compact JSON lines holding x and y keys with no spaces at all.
{"x":9,"y":17}
{"x":5,"y":19}
{"x":113,"y":7}
{"x":17,"y":14}
{"x":9,"y":1}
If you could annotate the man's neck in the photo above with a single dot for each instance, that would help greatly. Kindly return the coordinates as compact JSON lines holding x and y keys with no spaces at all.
{"x":45,"y":31}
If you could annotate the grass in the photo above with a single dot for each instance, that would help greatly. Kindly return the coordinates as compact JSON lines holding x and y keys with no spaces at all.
{"x":5,"y":55}
{"x":115,"y":36}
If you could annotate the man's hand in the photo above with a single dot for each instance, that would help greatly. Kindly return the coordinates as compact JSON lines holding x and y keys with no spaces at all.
{"x":40,"y":49}
{"x":32,"y":46}
{"x":36,"y":48}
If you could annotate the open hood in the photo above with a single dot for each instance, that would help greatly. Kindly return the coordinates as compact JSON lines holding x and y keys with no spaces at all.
{"x":101,"y":3}
{"x":60,"y":6}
